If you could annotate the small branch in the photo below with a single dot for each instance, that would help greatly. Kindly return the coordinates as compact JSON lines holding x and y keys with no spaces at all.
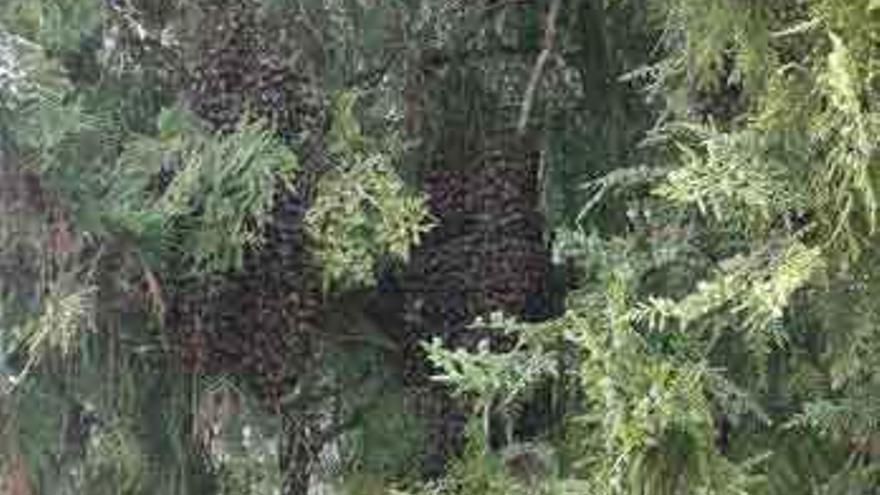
{"x":501,"y":4}
{"x":437,"y":58}
{"x":126,"y":15}
{"x":538,"y":70}
{"x":373,"y":76}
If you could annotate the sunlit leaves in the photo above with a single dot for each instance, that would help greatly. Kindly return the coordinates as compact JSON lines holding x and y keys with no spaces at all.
{"x":848,"y":132}
{"x":486,"y":377}
{"x":649,"y":413}
{"x":841,"y":78}
{"x":736,"y":175}
{"x":363,"y":212}
{"x":759,"y":289}
{"x":65,"y":313}
{"x":360,"y":215}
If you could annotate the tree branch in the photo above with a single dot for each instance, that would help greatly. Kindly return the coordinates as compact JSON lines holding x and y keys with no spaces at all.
{"x":538,"y":70}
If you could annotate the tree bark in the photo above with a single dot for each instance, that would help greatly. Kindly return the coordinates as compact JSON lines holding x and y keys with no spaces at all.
{"x":296,"y":453}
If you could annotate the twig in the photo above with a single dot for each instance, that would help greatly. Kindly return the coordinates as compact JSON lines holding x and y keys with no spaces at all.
{"x":372,"y":76}
{"x":439,"y":57}
{"x":537,"y":71}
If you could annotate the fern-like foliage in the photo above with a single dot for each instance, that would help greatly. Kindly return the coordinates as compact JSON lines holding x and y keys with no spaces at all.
{"x":759,"y":288}
{"x":219,"y":194}
{"x":731,"y":174}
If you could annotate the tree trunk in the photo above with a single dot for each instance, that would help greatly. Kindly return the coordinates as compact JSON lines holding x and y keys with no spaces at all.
{"x":296,"y":453}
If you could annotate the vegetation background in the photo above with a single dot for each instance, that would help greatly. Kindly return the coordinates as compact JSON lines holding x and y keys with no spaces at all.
{"x":452,"y":247}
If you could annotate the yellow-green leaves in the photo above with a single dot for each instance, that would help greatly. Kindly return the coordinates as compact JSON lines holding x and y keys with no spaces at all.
{"x":758,"y":288}
{"x":363,"y":212}
{"x":841,"y":78}
{"x":848,"y":132}
{"x":346,"y":139}
{"x":734,"y":175}
{"x":488,"y":377}
{"x":649,"y":423}
{"x":65,"y":313}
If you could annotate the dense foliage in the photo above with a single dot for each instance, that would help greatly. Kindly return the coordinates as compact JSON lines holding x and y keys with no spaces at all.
{"x":618,"y":247}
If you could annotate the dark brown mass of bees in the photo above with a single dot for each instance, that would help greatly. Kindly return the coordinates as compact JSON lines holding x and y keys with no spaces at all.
{"x":257,"y":323}
{"x":241,"y":70}
{"x":487,"y":254}
{"x":488,"y":251}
